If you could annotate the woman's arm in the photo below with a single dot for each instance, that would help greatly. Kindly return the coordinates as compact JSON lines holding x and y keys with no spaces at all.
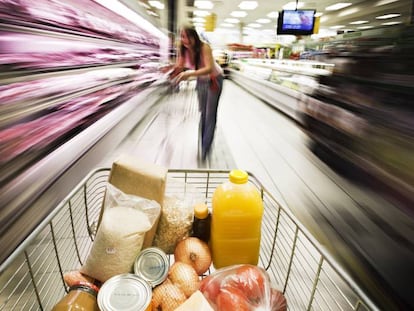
{"x":208,"y":61}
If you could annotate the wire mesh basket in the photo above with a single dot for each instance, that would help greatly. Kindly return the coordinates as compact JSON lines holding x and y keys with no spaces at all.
{"x":32,"y":277}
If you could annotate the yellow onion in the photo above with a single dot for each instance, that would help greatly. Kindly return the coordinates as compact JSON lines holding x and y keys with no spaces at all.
{"x":184,"y":277}
{"x":167,"y":297}
{"x":194,"y":252}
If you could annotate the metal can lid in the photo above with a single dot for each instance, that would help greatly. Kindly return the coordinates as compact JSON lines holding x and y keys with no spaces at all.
{"x":152,"y":265}
{"x":125,"y":292}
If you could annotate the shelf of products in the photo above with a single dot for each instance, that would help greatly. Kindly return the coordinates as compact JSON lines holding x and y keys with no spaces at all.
{"x":71,"y":72}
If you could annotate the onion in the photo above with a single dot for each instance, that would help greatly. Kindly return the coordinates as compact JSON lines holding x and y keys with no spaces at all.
{"x":167,"y":297}
{"x":194,"y":252}
{"x":185,"y":277}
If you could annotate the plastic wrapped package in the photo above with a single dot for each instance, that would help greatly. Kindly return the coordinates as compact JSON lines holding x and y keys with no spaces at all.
{"x":242,"y":287}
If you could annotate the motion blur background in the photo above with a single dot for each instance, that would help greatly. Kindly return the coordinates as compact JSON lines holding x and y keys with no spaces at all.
{"x":78,"y":76}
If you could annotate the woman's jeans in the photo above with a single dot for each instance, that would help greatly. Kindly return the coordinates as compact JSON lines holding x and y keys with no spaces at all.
{"x":208,"y":98}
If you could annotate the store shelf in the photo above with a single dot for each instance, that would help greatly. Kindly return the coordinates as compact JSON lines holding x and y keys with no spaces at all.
{"x":74,"y":78}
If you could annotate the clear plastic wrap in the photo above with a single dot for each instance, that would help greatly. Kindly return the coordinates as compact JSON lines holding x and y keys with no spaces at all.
{"x":243,"y":288}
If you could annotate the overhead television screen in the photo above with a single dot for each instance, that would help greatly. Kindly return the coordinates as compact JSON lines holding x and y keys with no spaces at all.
{"x":296,"y":22}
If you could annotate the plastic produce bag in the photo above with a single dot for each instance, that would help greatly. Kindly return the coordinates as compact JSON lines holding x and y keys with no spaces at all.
{"x":242,"y":287}
{"x":120,"y":235}
{"x":177,"y":214}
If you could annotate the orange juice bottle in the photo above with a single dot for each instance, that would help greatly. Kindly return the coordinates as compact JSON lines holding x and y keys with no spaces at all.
{"x":237,"y":211}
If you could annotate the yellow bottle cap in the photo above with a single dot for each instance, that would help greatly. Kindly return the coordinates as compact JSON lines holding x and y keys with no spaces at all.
{"x":201,"y":211}
{"x":238,"y":176}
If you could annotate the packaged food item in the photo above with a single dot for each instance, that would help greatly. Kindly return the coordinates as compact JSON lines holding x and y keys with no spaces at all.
{"x":237,"y":211}
{"x":81,"y":296}
{"x":117,"y":243}
{"x":201,"y":222}
{"x":242,"y":287}
{"x":175,"y":223}
{"x":125,"y":292}
{"x":152,"y":264}
{"x":133,"y":175}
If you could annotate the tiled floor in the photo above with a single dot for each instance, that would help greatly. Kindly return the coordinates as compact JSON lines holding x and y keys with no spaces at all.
{"x":345,"y":217}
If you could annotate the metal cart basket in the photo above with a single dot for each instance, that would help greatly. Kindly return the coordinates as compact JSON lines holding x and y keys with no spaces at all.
{"x":32,"y":277}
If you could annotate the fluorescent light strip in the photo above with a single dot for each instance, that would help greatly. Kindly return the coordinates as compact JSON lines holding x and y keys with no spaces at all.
{"x":384,"y":2}
{"x":238,"y":14}
{"x":232,"y":20}
{"x":358,"y":22}
{"x":122,"y":10}
{"x":387,"y":16}
{"x":201,"y":13}
{"x":391,"y":23}
{"x":248,"y":5}
{"x":201,"y":4}
{"x":273,"y":15}
{"x":263,"y":20}
{"x":338,"y":6}
{"x":156,"y":4}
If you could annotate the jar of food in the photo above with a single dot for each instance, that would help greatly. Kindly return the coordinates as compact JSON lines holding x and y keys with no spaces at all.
{"x":81,"y":296}
{"x":201,"y":223}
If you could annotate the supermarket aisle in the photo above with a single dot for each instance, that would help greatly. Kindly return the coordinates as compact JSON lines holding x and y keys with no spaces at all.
{"x":349,"y":220}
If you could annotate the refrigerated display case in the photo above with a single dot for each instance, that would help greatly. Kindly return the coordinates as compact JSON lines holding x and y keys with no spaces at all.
{"x":72,"y":74}
{"x":355,"y":105}
{"x":281,"y":83}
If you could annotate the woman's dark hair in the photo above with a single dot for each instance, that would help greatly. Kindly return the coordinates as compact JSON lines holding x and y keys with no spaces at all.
{"x":192,"y":34}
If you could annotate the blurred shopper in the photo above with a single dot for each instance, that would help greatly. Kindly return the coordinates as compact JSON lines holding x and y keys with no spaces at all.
{"x":195,"y":59}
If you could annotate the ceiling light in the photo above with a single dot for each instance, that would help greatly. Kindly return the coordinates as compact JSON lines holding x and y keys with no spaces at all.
{"x":201,"y":13}
{"x":337,"y":27}
{"x":156,"y":4}
{"x":124,"y":11}
{"x":338,"y":6}
{"x":348,"y":12}
{"x":292,"y":5}
{"x":324,"y":19}
{"x":204,"y":5}
{"x":391,"y":23}
{"x":238,"y":14}
{"x":387,"y":16}
{"x":226,"y":25}
{"x":254,"y":25}
{"x":152,"y":13}
{"x":248,"y":5}
{"x":263,"y":20}
{"x":365,"y":27}
{"x":273,"y":14}
{"x":232,"y":20}
{"x":358,"y":22}
{"x":384,"y":2}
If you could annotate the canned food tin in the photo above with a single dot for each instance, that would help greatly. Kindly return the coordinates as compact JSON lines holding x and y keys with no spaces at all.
{"x":152,"y":265}
{"x":125,"y":292}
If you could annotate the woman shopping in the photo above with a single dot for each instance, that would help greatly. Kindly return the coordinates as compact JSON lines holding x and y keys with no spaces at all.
{"x":196,"y":59}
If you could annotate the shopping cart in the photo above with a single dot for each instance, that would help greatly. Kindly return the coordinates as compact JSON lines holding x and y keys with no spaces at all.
{"x":32,"y":277}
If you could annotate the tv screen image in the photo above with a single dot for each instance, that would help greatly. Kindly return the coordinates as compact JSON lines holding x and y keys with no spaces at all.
{"x":296,"y":22}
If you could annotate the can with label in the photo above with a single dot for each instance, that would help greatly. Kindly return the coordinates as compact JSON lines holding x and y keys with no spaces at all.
{"x":125,"y":292}
{"x":152,"y":265}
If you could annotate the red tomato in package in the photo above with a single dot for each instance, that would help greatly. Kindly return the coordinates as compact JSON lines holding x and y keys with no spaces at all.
{"x":238,"y":287}
{"x":232,"y":299}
